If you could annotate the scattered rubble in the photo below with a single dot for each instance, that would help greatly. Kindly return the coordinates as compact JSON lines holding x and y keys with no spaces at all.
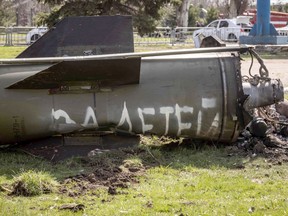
{"x":282,"y":108}
{"x":267,"y":135}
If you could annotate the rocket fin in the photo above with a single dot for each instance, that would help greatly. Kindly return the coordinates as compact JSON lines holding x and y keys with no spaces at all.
{"x":100,"y":73}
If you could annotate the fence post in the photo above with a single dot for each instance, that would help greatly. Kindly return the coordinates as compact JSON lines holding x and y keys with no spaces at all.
{"x":172,"y":36}
{"x":8,"y":40}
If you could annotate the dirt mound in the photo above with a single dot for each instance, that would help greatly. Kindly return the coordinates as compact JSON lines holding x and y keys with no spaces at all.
{"x":111,"y":171}
{"x":32,"y":183}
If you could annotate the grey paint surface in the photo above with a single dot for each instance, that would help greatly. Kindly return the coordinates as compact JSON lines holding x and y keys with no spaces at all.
{"x":189,"y":95}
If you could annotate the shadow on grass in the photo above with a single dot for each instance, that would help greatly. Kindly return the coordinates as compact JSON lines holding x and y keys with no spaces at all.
{"x":13,"y":163}
{"x":177,"y":156}
{"x":206,"y":156}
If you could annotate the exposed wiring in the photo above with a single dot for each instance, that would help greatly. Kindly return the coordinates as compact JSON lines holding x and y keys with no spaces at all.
{"x":263,"y":71}
{"x":251,"y":65}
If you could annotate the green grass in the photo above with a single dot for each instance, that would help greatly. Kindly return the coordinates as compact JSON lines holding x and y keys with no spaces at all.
{"x":10,"y":52}
{"x":159,"y":47}
{"x":186,"y":181}
{"x":31,"y":183}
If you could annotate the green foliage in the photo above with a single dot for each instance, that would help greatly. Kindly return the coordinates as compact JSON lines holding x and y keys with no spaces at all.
{"x":49,"y":19}
{"x":176,"y":2}
{"x":212,"y":14}
{"x":144,"y":23}
{"x":285,"y":8}
{"x":7,"y":13}
{"x":32,"y":183}
{"x":144,"y":12}
{"x":193,"y":16}
{"x":167,"y":16}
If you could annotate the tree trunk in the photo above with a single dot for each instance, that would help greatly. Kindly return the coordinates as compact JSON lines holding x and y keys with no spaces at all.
{"x":233,"y":9}
{"x":183,"y":13}
{"x":237,"y":7}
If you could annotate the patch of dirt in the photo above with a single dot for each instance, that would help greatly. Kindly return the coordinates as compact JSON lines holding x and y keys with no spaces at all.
{"x":73,"y":207}
{"x":109,"y":172}
{"x":277,"y":69}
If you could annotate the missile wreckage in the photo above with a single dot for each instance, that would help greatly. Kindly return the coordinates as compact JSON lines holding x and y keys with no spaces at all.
{"x":77,"y":79}
{"x":194,"y":93}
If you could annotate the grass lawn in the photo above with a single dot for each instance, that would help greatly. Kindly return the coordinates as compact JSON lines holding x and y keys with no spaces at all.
{"x":13,"y":51}
{"x":180,"y":181}
{"x":10,"y":52}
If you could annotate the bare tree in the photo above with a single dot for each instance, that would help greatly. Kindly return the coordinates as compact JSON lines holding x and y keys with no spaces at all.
{"x":237,"y":7}
{"x":232,"y":9}
{"x":182,"y":13}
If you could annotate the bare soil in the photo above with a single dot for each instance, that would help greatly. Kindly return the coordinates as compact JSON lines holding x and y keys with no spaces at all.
{"x":278,"y":68}
{"x":110,"y":171}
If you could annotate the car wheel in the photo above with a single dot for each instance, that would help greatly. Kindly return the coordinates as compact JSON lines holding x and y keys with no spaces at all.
{"x":232,"y":37}
{"x":34,"y":38}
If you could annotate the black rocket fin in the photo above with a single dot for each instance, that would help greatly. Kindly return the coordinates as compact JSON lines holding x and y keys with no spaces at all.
{"x":102,"y":73}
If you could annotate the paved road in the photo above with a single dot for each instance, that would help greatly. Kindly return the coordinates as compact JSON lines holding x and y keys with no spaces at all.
{"x":278,"y":68}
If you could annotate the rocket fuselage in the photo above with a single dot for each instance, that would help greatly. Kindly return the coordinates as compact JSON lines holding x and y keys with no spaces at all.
{"x":188,"y":95}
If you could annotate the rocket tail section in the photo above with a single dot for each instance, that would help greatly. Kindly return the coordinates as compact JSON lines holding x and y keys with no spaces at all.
{"x":89,"y":74}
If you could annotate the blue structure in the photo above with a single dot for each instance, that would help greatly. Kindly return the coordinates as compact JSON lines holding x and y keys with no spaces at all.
{"x":263,"y":32}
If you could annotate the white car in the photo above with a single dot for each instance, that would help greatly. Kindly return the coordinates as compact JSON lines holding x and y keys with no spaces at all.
{"x":35,"y":34}
{"x":225,"y":29}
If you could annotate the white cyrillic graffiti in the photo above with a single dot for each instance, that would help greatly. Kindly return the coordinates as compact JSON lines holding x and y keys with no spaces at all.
{"x":172,"y":115}
{"x":214,"y":126}
{"x":166,"y":111}
{"x":61,"y":113}
{"x":90,"y":114}
{"x":178,"y":111}
{"x":146,"y":111}
{"x":199,"y":123}
{"x":208,"y":103}
{"x":125,"y":117}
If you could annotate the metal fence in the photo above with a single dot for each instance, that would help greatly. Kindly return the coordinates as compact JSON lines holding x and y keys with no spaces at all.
{"x":166,"y":35}
{"x":16,"y":36}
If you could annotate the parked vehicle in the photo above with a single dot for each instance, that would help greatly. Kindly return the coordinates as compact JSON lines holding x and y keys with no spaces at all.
{"x":225,"y":29}
{"x":35,"y":34}
{"x":278,"y":19}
